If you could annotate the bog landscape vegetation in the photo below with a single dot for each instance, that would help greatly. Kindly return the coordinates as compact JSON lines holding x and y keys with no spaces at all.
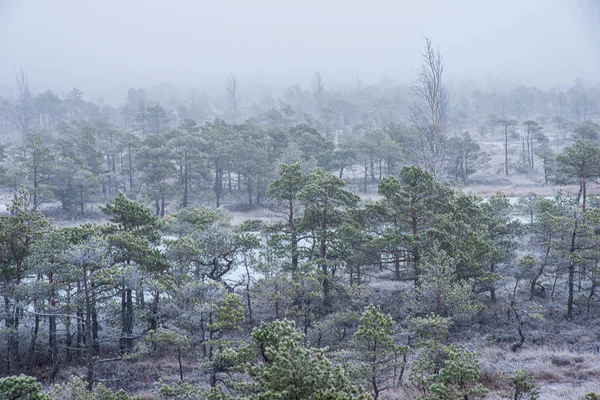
{"x":426,"y":239}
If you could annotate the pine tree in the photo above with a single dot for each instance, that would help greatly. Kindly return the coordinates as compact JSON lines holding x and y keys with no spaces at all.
{"x":380,"y":352}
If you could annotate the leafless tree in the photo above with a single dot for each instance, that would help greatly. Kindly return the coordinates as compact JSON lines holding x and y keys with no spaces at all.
{"x":507,"y":124}
{"x":233,"y":95}
{"x":430,"y":111}
{"x":318,"y":91}
{"x":23,"y":109}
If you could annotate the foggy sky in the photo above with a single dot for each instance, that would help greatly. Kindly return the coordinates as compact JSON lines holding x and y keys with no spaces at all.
{"x":105,"y":46}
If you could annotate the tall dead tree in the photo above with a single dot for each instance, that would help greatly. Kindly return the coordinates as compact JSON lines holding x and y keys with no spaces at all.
{"x":23,"y":109}
{"x":430,"y":111}
{"x":506,"y":123}
{"x":318,"y":92}
{"x":233,"y":96}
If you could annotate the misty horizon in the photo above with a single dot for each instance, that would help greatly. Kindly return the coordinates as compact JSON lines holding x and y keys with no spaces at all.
{"x":105,"y":48}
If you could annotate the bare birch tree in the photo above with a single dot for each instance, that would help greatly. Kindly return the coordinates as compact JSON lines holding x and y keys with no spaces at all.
{"x":430,"y":111}
{"x":23,"y":109}
{"x":318,"y":91}
{"x":233,"y":95}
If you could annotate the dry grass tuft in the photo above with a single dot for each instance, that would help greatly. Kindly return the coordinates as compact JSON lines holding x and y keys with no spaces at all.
{"x":146,"y":395}
{"x":571,"y":391}
{"x":561,"y":373}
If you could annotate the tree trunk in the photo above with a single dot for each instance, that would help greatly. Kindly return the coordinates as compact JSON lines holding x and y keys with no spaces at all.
{"x":506,"y":150}
{"x":528,"y":149}
{"x":492,"y":287}
{"x":584,"y":194}
{"x":248,"y":296}
{"x":68,"y":326}
{"x":229,"y":180}
{"x":218,"y":184}
{"x":35,"y":188}
{"x":184,"y":202}
{"x":53,"y":349}
{"x":571,"y":279}
{"x":249,"y":188}
{"x":517,"y":345}
{"x":130,"y":168}
{"x":180,"y":365}
{"x":416,"y":252}
{"x":154,"y":317}
{"x":81,"y":202}
{"x":12,"y":327}
{"x":126,"y":341}
{"x":327,"y":300}
{"x":294,"y":237}
{"x":532,"y":154}
{"x":89,"y":347}
{"x":79,"y":341}
{"x":374,"y":383}
{"x":366,"y":176}
{"x":34,"y":336}
{"x":52,"y":342}
{"x":258,"y":191}
{"x":397,"y":267}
